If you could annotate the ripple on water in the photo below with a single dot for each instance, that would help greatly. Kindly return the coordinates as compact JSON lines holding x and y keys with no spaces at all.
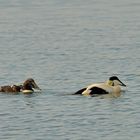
{"x":66,"y":45}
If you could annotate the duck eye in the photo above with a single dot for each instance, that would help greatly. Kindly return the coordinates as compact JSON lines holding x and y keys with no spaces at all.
{"x":112,"y":83}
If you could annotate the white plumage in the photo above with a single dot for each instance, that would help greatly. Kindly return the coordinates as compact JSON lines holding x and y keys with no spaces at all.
{"x":110,"y":86}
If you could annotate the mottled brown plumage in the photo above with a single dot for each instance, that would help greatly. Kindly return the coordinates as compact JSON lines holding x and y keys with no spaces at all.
{"x":29,"y":85}
{"x":8,"y":88}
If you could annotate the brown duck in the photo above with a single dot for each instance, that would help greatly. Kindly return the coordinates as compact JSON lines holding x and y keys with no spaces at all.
{"x":26,"y":87}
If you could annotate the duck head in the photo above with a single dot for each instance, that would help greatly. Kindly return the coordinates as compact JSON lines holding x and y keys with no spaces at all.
{"x":114,"y":81}
{"x":30,"y":84}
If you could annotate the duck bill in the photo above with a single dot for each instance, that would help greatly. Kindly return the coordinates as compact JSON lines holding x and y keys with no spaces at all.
{"x":35,"y":86}
{"x":122,"y":84}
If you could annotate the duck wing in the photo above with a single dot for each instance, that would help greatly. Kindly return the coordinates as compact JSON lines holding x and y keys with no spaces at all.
{"x":80,"y":91}
{"x":6,"y":89}
{"x":97,"y":91}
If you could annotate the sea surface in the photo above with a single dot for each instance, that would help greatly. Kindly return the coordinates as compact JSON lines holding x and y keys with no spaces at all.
{"x":65,"y":46}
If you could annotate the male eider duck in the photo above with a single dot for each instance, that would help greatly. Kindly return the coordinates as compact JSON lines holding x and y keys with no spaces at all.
{"x":110,"y":86}
{"x":27,"y":87}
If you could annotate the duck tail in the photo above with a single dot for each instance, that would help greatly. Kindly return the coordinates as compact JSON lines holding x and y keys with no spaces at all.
{"x":79,"y":91}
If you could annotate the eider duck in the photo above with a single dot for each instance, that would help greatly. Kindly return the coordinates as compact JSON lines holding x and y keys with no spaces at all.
{"x":110,"y":86}
{"x":26,"y":87}
{"x":29,"y":85}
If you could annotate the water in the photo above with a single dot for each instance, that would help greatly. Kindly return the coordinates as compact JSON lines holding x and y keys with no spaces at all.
{"x":64,"y":46}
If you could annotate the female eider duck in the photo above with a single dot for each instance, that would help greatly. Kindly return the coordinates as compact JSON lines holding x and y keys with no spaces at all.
{"x":110,"y":86}
{"x":27,"y":87}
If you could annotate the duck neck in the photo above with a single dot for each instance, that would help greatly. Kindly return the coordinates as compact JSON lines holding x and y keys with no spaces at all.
{"x":110,"y":83}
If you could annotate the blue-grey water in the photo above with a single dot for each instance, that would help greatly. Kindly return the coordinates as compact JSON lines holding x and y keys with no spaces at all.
{"x":66,"y":45}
